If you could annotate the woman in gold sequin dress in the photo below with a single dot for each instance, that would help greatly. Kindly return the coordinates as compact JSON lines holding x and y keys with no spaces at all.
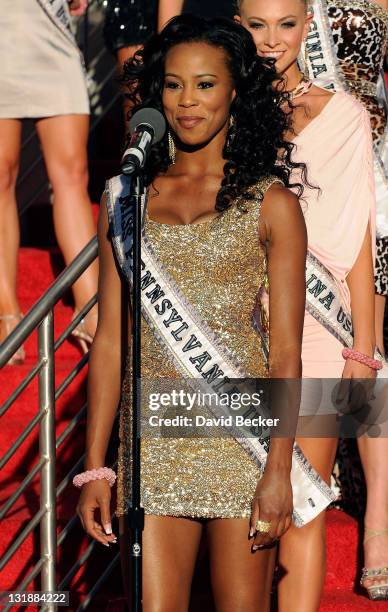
{"x":216,"y":213}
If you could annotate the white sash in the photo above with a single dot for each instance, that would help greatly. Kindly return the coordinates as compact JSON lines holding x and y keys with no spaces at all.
{"x":324,"y":303}
{"x":197,"y":352}
{"x":58,"y":12}
{"x":322,"y":59}
{"x":324,"y":69}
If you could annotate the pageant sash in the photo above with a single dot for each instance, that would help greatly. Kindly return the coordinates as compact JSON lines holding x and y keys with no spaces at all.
{"x":196,"y":351}
{"x":58,"y":12}
{"x":324,"y":302}
{"x":324,"y":68}
{"x":321,"y":56}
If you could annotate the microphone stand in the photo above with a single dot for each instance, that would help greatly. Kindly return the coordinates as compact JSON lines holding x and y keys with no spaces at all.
{"x":136,"y":512}
{"x":147,"y":125}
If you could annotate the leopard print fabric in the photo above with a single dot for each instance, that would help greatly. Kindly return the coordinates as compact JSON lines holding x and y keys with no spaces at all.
{"x":360,"y":32}
{"x":382,"y":266}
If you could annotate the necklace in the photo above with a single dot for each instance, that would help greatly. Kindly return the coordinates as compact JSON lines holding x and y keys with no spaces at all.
{"x":303,"y":87}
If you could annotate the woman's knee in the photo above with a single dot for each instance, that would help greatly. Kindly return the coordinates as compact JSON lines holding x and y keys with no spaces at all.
{"x":8,"y":174}
{"x":69,"y":172}
{"x":163,"y":593}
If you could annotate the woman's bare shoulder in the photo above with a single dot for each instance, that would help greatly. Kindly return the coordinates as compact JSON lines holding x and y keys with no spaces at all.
{"x":279,"y":202}
{"x":320,"y":92}
{"x":281,"y":215}
{"x":317,"y":98}
{"x":280,"y":192}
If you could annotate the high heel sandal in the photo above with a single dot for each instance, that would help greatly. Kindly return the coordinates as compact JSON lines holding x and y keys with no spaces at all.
{"x":376,"y":592}
{"x":80,"y":333}
{"x":7,"y":326}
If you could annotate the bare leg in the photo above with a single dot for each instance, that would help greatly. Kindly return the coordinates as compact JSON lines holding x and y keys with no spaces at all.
{"x":379,"y":322}
{"x":170,"y":548}
{"x":241,"y":579}
{"x":303,"y":550}
{"x":10,"y":132}
{"x":374,"y":453}
{"x":64,"y":141}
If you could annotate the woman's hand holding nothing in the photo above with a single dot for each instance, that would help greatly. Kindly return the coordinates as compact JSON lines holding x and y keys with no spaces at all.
{"x":96,"y":495}
{"x":272,"y":503}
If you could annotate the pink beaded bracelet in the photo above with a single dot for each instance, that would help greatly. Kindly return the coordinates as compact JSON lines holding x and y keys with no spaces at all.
{"x":90,"y":475}
{"x":373,"y":364}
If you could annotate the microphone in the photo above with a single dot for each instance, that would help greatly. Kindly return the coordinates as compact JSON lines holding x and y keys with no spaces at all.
{"x":147,"y":127}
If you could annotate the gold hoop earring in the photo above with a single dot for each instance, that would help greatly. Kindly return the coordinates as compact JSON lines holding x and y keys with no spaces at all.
{"x":171,"y":149}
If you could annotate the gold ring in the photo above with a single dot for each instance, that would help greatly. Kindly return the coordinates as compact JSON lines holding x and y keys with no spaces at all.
{"x":263,"y":527}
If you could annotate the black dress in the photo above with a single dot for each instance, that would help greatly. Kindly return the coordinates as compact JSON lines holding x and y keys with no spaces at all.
{"x":210,"y":8}
{"x":129,"y":22}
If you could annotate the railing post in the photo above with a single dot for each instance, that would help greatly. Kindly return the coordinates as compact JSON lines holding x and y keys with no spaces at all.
{"x":48,"y":532}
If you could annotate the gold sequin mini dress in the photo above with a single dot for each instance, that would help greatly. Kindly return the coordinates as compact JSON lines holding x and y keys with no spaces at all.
{"x":219,"y":266}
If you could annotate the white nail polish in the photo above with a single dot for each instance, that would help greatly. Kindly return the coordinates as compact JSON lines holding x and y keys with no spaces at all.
{"x":108,"y":529}
{"x":251,"y":533}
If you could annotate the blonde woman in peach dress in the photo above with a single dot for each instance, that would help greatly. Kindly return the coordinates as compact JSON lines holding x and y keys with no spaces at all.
{"x":357,"y":32}
{"x":332,"y":135}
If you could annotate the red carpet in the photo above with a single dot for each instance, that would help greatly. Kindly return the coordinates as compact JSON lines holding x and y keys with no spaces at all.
{"x":37,"y":269}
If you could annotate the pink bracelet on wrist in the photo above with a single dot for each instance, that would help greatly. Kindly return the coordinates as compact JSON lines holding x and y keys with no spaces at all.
{"x":373,"y":364}
{"x":99,"y":474}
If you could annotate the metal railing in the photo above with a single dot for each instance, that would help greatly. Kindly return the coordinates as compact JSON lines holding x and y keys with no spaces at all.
{"x":41,"y":316}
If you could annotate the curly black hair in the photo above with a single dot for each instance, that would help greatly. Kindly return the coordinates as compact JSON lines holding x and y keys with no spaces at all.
{"x":255,"y":146}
